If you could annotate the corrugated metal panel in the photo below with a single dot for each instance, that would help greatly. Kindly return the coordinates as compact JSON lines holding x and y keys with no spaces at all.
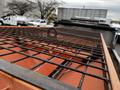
{"x":68,"y":13}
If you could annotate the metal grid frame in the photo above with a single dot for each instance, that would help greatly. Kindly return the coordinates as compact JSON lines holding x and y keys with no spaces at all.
{"x":50,"y":43}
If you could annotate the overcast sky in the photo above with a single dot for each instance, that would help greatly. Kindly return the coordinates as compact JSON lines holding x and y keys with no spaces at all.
{"x":113,"y":6}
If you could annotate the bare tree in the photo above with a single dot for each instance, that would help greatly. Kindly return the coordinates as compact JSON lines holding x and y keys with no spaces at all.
{"x":47,"y":8}
{"x":20,"y":7}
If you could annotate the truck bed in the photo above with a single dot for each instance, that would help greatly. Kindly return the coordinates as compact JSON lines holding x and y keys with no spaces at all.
{"x":49,"y":58}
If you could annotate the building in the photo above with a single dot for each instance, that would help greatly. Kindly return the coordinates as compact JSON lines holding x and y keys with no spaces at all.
{"x":68,"y":13}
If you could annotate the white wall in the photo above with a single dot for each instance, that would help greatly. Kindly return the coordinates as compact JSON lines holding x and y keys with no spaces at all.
{"x":68,"y":13}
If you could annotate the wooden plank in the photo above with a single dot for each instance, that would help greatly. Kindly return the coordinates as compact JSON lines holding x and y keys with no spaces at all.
{"x":113,"y":75}
{"x":15,"y":84}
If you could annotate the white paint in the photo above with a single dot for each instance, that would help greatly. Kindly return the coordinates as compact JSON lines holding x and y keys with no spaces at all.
{"x":112,"y":6}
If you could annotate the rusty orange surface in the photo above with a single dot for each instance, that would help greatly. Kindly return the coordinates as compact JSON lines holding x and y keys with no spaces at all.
{"x":36,"y":52}
{"x":70,"y":77}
